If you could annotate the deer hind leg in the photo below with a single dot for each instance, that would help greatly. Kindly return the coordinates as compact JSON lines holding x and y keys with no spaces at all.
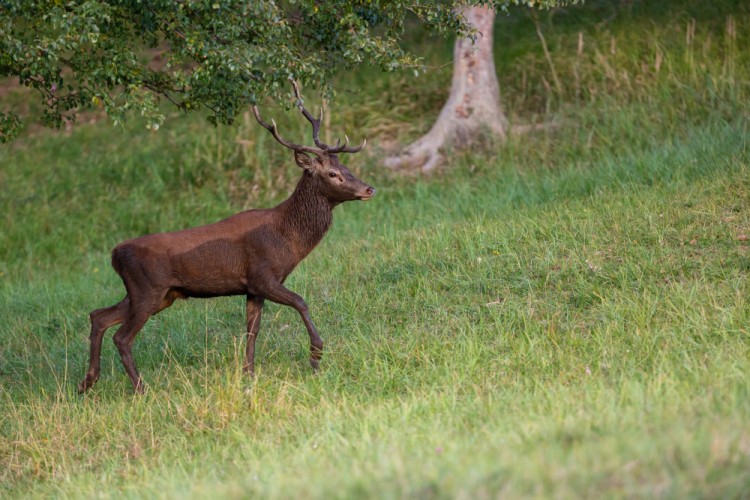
{"x":101,"y":320}
{"x":139,"y":312}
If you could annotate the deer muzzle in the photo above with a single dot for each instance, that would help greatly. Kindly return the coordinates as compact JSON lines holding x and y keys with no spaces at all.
{"x":366,"y":193}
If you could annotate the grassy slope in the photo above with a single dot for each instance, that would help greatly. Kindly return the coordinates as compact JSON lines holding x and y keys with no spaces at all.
{"x":565,"y":317}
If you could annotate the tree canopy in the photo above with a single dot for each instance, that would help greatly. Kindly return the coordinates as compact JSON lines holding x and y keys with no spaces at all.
{"x":220,"y":55}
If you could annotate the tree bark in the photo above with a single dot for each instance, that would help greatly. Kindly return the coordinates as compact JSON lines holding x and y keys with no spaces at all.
{"x":473,"y":107}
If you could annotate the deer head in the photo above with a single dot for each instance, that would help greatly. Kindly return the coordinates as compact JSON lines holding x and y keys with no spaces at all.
{"x":332,"y":179}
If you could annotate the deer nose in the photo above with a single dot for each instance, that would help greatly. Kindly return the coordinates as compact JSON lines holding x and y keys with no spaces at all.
{"x":370,"y":191}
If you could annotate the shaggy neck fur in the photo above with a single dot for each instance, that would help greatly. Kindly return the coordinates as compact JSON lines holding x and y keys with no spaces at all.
{"x":308,"y":212}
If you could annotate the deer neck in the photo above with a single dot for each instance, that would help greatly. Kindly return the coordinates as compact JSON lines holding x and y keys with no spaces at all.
{"x":307,"y":213}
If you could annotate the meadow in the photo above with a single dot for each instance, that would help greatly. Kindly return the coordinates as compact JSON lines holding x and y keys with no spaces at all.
{"x":561,"y":315}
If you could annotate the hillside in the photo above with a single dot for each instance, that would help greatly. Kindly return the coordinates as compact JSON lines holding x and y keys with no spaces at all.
{"x":562,"y":315}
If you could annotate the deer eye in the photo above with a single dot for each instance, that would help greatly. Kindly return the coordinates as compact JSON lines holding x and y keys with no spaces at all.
{"x":331,"y":174}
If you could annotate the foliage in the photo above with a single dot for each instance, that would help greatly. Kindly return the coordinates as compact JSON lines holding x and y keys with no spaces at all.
{"x":217,"y":54}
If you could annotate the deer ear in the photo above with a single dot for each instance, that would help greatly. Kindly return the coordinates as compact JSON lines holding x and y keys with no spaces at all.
{"x":303,"y":161}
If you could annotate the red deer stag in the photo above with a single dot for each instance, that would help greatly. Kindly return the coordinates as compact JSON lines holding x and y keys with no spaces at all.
{"x":250,"y":253}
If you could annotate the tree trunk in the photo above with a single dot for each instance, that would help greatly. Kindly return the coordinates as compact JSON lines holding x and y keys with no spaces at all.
{"x":473,"y":107}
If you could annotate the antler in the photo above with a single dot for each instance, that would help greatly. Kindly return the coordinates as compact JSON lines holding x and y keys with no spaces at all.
{"x":315,"y":123}
{"x":296,"y":147}
{"x":322,"y":148}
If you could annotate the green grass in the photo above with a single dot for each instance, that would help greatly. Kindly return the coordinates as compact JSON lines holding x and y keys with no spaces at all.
{"x":562,"y":316}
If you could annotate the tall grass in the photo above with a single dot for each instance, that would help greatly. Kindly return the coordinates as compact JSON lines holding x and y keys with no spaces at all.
{"x":563,"y":315}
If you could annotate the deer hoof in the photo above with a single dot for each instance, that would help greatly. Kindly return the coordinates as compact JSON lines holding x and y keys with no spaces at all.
{"x":87,"y":383}
{"x":139,"y":388}
{"x":315,"y":363}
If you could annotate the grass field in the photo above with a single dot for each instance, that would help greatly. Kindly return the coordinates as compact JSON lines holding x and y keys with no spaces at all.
{"x":564,"y":315}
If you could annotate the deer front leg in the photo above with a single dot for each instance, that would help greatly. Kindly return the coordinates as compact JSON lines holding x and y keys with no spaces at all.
{"x":276,"y":292}
{"x":254,"y":309}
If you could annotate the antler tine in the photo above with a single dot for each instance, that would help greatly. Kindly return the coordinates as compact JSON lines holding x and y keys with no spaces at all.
{"x":357,"y":149}
{"x":344,"y":148}
{"x":315,"y":123}
{"x":275,"y":132}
